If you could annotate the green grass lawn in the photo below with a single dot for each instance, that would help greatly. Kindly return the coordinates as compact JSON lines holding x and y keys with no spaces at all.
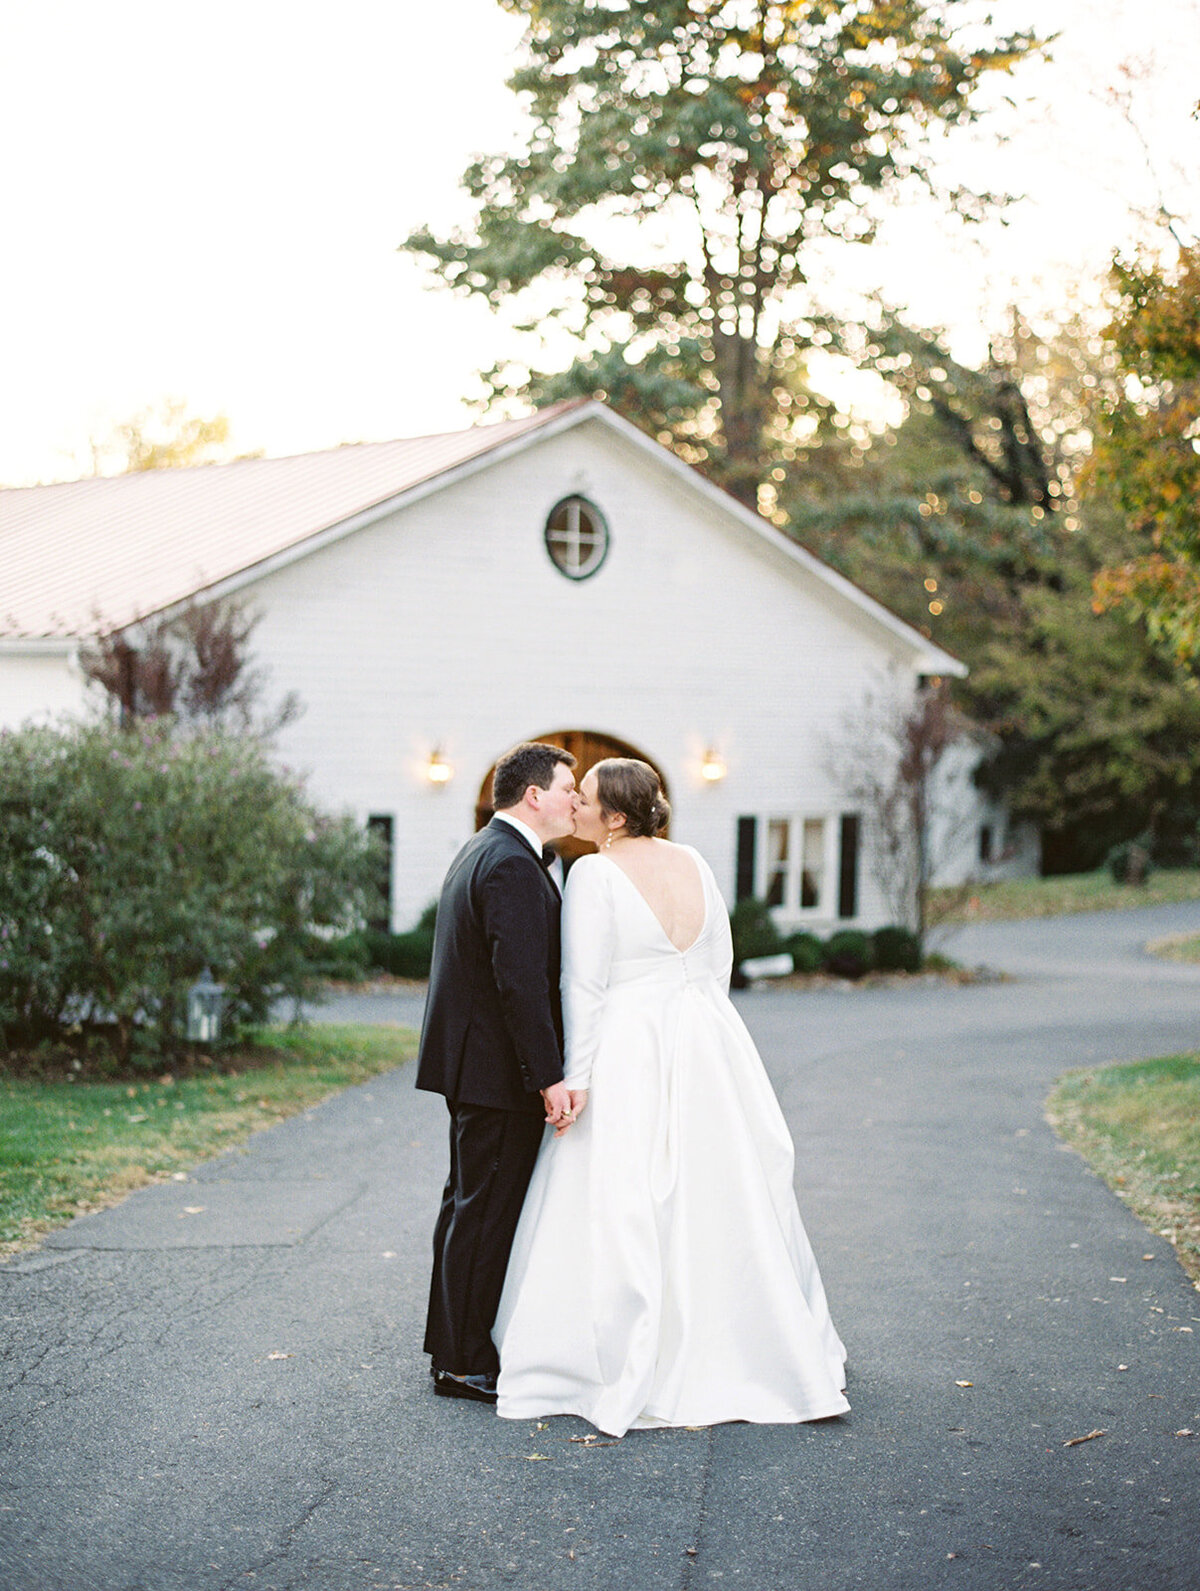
{"x":70,"y":1147}
{"x":1010,"y":899}
{"x":1138,"y":1125}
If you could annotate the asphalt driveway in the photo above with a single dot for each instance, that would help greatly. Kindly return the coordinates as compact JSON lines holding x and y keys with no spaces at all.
{"x":218,"y":1383}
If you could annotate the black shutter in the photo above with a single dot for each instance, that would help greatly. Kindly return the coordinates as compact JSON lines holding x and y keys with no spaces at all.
{"x":380,"y":824}
{"x":747,"y":843}
{"x":848,"y":867}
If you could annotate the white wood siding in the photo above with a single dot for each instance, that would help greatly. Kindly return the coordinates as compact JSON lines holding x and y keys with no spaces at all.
{"x":38,"y":685}
{"x":445,"y":623}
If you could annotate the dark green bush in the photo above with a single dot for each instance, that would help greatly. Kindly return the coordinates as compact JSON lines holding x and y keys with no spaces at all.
{"x":896,"y":950}
{"x":133,"y":858}
{"x":406,"y":955}
{"x":1130,"y":862}
{"x":754,"y":934}
{"x":806,"y":950}
{"x":403,"y":955}
{"x":346,"y":957}
{"x":849,"y":953}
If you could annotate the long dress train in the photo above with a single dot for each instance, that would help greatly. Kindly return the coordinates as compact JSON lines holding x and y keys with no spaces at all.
{"x":661,"y":1274}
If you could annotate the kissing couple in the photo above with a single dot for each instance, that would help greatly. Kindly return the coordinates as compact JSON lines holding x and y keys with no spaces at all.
{"x":618,"y":1237}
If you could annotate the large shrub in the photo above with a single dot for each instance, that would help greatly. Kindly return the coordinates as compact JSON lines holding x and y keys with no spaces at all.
{"x":133,"y":858}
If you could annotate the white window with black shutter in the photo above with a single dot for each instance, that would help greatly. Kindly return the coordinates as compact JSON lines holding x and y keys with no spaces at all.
{"x":801,"y":864}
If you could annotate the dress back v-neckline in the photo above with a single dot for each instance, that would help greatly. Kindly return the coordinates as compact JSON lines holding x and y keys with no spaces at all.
{"x":681,"y":950}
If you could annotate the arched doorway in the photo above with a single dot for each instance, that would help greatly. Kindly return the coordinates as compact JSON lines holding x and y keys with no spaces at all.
{"x":588,"y":747}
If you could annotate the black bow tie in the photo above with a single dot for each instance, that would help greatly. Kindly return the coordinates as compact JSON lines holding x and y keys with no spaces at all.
{"x":549,"y":857}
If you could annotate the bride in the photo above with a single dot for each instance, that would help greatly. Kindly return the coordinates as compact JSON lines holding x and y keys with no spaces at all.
{"x":660,"y":1274}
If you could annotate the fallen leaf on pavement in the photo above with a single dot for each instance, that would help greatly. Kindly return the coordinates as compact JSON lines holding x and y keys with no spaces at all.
{"x":964,"y":1383}
{"x":532,"y":1458}
{"x":1090,"y":1437}
{"x":279,"y":1356}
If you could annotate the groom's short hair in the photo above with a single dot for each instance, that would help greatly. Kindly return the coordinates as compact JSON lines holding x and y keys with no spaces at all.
{"x":532,"y":762}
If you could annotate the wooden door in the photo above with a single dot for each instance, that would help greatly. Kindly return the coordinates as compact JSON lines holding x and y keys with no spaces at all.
{"x":588,"y":747}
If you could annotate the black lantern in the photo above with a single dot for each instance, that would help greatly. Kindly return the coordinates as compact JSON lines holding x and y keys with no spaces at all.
{"x":204,"y":1002}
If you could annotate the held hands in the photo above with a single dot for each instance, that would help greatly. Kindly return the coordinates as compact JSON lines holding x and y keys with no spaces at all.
{"x":563,"y":1106}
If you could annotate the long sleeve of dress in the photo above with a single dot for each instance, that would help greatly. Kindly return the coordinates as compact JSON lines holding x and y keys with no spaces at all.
{"x":588,"y":929}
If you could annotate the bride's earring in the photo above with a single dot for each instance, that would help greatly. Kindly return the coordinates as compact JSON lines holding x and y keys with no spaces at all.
{"x":608,"y":842}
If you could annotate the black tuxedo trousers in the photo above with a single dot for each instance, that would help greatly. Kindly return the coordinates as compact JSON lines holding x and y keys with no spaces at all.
{"x":492,"y":1153}
{"x":491,"y":1040}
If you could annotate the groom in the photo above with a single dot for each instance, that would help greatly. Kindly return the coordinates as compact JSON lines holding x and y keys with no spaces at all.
{"x":492,"y":1044}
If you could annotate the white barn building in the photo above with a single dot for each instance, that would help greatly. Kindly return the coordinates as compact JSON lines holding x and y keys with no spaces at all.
{"x":434,"y":601}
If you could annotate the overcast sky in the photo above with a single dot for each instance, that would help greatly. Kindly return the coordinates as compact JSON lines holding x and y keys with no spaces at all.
{"x":205,"y":202}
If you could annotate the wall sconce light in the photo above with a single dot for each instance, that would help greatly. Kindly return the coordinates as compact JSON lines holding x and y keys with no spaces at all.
{"x":437,"y":769}
{"x":713,"y":768}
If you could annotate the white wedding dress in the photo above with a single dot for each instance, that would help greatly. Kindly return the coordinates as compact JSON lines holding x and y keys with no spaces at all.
{"x":661,"y":1275}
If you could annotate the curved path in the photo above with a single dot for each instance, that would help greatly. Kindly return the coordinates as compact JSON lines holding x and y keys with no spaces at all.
{"x":234,"y":1397}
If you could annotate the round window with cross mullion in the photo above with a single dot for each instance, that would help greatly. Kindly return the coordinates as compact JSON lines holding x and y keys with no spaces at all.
{"x":576,"y":538}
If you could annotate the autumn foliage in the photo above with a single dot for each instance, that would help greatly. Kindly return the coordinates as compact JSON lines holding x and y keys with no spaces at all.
{"x":1147,"y":452}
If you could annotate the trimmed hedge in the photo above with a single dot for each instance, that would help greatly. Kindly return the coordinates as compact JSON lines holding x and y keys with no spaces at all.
{"x":807,"y":952}
{"x":896,"y":950}
{"x":849,"y":953}
{"x":407,"y":955}
{"x":754,"y":933}
{"x":1130,"y":863}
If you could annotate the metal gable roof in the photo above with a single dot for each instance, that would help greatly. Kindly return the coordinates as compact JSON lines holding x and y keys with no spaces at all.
{"x":103,"y":551}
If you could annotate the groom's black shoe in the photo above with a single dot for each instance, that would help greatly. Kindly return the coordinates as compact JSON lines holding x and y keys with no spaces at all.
{"x":481,"y":1388}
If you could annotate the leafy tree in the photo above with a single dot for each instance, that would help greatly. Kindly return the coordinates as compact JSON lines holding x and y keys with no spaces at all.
{"x":1095,"y":731}
{"x":1098,"y":732}
{"x":683,"y":158}
{"x":952,"y":514}
{"x":161,"y":436}
{"x":1148,"y":448}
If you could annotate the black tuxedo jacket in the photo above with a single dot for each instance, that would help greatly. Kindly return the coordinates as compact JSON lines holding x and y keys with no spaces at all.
{"x":493,"y":1017}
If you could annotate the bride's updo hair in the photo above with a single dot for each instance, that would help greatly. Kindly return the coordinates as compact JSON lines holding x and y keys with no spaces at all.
{"x":625,"y":785}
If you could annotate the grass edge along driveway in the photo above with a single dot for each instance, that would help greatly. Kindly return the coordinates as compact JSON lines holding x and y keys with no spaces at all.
{"x":1016,"y":899}
{"x":67,"y":1148}
{"x":1137,"y":1125}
